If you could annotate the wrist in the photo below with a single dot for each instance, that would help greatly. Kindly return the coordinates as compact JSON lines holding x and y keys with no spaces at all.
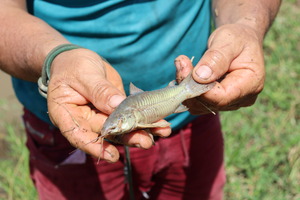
{"x":44,"y":79}
{"x":256,"y":14}
{"x":251,"y":23}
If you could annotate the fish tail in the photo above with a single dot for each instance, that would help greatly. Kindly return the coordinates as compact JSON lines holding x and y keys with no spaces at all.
{"x":193,"y":88}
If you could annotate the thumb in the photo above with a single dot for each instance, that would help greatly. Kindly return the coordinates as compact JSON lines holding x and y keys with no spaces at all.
{"x":105,"y":96}
{"x":105,"y":92}
{"x":212,"y":66}
{"x":183,"y":66}
{"x":216,"y":60}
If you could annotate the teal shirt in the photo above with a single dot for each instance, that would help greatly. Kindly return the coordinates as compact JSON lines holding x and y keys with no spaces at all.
{"x":139,"y":38}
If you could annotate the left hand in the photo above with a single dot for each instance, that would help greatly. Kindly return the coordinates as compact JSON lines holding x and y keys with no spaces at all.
{"x":235,"y":56}
{"x":83,"y":91}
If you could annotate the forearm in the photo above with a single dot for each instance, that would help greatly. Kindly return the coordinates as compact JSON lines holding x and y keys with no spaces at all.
{"x":25,"y":41}
{"x":257,"y":14}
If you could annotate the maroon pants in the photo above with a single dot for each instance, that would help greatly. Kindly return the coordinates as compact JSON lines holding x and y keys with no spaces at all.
{"x":186,"y":165}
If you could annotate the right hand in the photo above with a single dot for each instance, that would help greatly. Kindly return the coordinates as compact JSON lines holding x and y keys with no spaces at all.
{"x":83,"y":90}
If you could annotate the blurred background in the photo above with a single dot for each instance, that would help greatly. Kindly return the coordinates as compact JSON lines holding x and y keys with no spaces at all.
{"x":262,"y":143}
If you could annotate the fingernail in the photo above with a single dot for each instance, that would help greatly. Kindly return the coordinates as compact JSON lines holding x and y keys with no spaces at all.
{"x":178,"y":63}
{"x":108,"y":157}
{"x":204,"y":72}
{"x":115,"y":100}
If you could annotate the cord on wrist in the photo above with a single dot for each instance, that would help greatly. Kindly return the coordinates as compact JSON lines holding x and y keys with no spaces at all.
{"x":44,"y":79}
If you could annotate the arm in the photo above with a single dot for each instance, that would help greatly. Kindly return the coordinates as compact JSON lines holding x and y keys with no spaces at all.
{"x":25,"y":40}
{"x":234,"y":55}
{"x":78,"y":102}
{"x":258,"y":14}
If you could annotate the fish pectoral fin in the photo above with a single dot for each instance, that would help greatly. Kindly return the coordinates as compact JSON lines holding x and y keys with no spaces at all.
{"x":159,"y":124}
{"x":181,"y":108}
{"x":134,"y":90}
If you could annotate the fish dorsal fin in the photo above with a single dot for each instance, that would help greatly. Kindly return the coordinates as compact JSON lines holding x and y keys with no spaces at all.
{"x":134,"y":90}
{"x":181,"y":108}
{"x":172,"y":83}
{"x":192,"y":59}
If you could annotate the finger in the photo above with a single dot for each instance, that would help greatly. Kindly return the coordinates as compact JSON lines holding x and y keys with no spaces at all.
{"x":99,"y":148}
{"x":113,"y":76}
{"x":161,"y":132}
{"x":82,"y":137}
{"x":89,"y":116}
{"x":100,"y":84}
{"x":183,"y":66}
{"x":78,"y":130}
{"x":198,"y":106}
{"x":138,"y":138}
{"x":103,"y":95}
{"x":86,"y":73}
{"x":240,"y":87}
{"x":218,"y":57}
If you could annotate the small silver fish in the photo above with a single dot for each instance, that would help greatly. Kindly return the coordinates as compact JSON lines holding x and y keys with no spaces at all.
{"x":142,"y":110}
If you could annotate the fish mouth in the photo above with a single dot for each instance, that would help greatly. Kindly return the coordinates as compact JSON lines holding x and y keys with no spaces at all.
{"x":110,"y":131}
{"x":105,"y":132}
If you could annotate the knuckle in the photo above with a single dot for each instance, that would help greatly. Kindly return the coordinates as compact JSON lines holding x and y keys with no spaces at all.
{"x":216,"y":57}
{"x":100,"y":94}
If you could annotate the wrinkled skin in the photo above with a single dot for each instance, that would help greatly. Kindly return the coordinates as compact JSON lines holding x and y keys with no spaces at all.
{"x":79,"y":103}
{"x":233,"y":50}
{"x":235,"y":58}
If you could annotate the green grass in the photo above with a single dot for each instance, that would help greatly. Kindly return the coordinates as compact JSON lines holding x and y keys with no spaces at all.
{"x":15,"y":183}
{"x":262,"y":143}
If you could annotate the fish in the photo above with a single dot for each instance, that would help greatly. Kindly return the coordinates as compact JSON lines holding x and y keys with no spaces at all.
{"x":143,"y":109}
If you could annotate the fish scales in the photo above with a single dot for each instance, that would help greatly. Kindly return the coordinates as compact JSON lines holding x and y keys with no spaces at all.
{"x":143,"y":109}
{"x":160,"y":103}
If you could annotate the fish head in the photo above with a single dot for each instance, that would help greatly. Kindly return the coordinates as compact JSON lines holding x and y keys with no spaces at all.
{"x":118,"y":124}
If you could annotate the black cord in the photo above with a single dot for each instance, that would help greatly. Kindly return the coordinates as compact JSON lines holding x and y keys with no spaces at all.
{"x":128,"y":173}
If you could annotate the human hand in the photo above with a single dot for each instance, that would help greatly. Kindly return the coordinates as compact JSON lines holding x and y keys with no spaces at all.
{"x":83,"y":90}
{"x":235,"y":58}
